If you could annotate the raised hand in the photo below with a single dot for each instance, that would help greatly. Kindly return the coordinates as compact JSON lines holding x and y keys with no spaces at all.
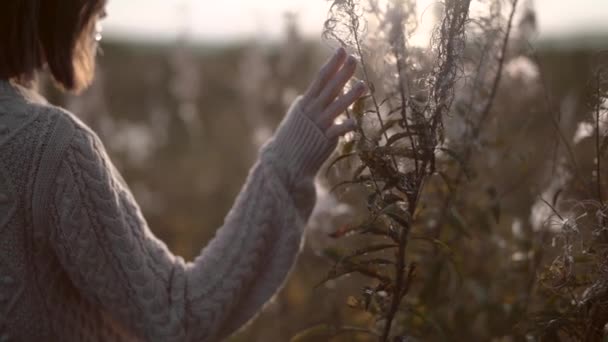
{"x":323,"y":101}
{"x":307,"y":135}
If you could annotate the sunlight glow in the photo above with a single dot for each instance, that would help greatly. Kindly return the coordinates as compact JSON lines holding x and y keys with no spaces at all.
{"x":245,"y":19}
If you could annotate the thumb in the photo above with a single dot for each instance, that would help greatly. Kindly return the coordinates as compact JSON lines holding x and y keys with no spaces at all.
{"x":341,"y":129}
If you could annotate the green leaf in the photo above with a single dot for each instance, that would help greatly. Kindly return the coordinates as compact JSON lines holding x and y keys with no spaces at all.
{"x":444,"y":246}
{"x":371,"y":249}
{"x":458,"y":222}
{"x":447,"y":180}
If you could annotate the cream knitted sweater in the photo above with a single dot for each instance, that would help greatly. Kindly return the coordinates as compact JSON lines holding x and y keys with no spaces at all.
{"x":79,"y":263}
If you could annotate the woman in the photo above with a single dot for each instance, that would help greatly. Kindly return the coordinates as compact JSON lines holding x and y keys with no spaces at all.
{"x":77,"y":259}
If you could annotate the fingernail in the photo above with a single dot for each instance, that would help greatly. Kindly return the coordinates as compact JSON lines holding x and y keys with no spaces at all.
{"x":361,"y":86}
{"x":340,"y":51}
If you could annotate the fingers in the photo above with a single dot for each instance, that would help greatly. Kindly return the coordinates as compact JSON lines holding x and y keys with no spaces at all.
{"x":336,"y":84}
{"x":319,"y":101}
{"x":341,"y":104}
{"x":341,"y":129}
{"x":325,"y":74}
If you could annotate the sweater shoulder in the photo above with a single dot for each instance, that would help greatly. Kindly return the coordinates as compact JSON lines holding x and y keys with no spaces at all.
{"x":34,"y":137}
{"x":27,"y":122}
{"x":65,"y":128}
{"x":64,"y":118}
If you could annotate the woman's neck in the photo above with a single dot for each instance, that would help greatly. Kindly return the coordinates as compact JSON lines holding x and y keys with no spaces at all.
{"x":12,"y":89}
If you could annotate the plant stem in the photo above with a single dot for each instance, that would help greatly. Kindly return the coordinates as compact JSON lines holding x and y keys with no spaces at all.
{"x":399,"y":292}
{"x":597,"y":140}
{"x":484,"y":115}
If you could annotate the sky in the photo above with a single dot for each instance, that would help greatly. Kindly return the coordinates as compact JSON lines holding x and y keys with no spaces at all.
{"x":227,"y":20}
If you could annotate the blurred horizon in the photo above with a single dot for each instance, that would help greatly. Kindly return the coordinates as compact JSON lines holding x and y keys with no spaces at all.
{"x":234,"y":21}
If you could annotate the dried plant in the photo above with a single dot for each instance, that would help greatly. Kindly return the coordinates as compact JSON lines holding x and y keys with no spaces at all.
{"x":402,"y":158}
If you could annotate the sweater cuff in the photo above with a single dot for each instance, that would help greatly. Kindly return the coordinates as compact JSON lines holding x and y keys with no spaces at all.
{"x":299,"y":144}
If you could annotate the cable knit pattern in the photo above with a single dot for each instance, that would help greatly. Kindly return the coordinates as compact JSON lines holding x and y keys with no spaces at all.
{"x":78,"y":261}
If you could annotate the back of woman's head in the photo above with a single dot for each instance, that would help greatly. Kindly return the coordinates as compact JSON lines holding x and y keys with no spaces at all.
{"x":53,"y":33}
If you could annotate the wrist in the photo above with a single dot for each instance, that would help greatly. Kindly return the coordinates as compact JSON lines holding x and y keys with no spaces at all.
{"x":299,"y":144}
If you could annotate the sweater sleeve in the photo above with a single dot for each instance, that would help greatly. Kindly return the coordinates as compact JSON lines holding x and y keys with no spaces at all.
{"x":104,"y":244}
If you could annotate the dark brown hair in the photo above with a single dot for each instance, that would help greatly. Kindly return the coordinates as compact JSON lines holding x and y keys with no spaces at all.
{"x":35,"y":33}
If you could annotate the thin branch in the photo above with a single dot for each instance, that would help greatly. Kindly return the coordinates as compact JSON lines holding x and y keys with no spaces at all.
{"x":399,"y":52}
{"x":398,"y":292}
{"x":485,"y":114}
{"x":597,"y":140}
{"x":355,"y":27}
